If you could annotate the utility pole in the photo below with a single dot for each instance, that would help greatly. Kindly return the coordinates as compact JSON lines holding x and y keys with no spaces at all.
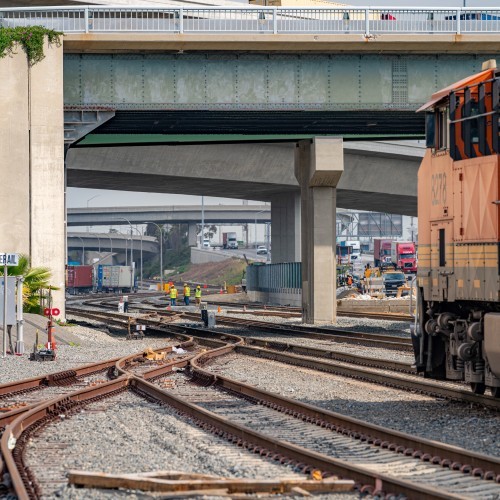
{"x":161,"y":252}
{"x":202,"y":219}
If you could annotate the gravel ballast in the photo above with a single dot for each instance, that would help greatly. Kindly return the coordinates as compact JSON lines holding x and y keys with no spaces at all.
{"x":441,"y":420}
{"x":127,"y":434}
{"x":94,"y":345}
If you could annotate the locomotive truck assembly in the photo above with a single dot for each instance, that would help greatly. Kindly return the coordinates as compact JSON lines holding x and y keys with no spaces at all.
{"x":456,"y":334}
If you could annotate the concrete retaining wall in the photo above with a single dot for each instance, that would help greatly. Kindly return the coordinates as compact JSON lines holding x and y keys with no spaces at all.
{"x":283,"y":299}
{"x":204,"y":256}
{"x":400,"y":306}
{"x":343,"y":305}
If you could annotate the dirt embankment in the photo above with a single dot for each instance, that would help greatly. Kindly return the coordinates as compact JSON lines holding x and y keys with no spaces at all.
{"x":214,"y":273}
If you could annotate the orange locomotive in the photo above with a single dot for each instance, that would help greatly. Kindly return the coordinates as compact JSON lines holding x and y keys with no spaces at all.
{"x":456,"y":334}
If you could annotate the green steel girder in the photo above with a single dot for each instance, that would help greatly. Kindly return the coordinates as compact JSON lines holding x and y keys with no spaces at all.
{"x":234,"y":81}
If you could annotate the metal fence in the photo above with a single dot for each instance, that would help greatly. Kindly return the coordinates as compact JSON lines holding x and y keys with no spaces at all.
{"x":264,"y":20}
{"x":275,"y":278}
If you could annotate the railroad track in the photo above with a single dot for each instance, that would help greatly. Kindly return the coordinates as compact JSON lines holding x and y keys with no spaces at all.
{"x":294,"y":312}
{"x":354,"y":366}
{"x":275,"y":422}
{"x":257,"y":309}
{"x":305,"y":453}
{"x":332,"y":334}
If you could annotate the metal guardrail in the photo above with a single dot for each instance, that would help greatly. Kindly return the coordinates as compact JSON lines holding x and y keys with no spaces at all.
{"x":264,"y":20}
{"x":275,"y":278}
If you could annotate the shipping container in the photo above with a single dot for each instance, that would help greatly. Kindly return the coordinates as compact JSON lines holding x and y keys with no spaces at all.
{"x":79,"y":279}
{"x":113,"y":278}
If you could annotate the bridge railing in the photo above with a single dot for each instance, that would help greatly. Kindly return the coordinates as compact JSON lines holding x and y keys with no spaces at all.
{"x":263,"y":20}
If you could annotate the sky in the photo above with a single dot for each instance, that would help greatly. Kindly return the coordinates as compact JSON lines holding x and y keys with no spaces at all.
{"x":78,"y":198}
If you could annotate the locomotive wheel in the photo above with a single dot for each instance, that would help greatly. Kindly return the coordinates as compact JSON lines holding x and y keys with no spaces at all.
{"x":495,"y":392}
{"x":477,"y":387}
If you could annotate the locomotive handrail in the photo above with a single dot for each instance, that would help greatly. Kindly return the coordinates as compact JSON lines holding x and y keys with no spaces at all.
{"x":412,"y":286}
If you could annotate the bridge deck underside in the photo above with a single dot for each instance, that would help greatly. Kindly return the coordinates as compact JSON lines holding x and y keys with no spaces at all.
{"x":354,"y":123}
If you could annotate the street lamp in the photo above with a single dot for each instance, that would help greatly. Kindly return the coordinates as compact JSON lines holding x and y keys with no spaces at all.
{"x":202,"y":219}
{"x":99,"y":240}
{"x":83,"y":250}
{"x":161,"y":252}
{"x":110,"y":249}
{"x":262,"y":211}
{"x":141,"y":233}
{"x":131,"y":252}
{"x":90,"y":199}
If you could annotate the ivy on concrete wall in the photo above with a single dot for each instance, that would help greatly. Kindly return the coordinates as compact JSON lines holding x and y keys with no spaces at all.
{"x":30,"y":38}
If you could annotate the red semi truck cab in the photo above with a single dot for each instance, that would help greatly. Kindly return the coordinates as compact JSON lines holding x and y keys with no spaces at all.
{"x":381,"y":251}
{"x":403,"y":256}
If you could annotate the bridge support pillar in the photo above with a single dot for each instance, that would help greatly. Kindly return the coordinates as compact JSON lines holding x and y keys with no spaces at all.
{"x":285,"y":228}
{"x":318,"y":166}
{"x":32,"y":203}
{"x":192,"y":235}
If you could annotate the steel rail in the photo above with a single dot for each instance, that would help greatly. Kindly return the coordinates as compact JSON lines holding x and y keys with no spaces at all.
{"x":359,"y":372}
{"x":396,"y":380}
{"x":250,"y":439}
{"x":371,"y":339}
{"x":397,"y":441}
{"x":45,"y":380}
{"x":384,"y":364}
{"x":255,"y":441}
{"x":42,"y":413}
{"x":274,"y":311}
{"x":375,"y":340}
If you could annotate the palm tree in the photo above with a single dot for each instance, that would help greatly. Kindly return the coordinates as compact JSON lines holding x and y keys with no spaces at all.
{"x":35,"y":279}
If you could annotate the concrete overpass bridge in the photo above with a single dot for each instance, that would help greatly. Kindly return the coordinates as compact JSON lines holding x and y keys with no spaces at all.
{"x":109,"y":248}
{"x":294,"y":73}
{"x":179,"y":214}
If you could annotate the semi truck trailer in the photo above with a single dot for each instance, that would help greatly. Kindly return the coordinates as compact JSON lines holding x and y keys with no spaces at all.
{"x":229,"y":241}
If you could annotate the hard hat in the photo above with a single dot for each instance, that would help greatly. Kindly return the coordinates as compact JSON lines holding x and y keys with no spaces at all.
{"x":185,"y":284}
{"x":198,"y":286}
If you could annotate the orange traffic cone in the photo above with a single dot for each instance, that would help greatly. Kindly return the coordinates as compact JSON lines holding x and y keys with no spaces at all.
{"x":219,"y":309}
{"x":221,"y":290}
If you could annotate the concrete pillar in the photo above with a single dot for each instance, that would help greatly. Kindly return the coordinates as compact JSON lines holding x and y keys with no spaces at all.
{"x":32,"y":163}
{"x":192,"y":239}
{"x":285,"y":228}
{"x":14,"y":155}
{"x":318,"y":166}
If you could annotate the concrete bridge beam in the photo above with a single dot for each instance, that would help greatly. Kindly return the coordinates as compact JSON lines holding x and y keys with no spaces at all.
{"x":285,"y":228}
{"x":192,"y":235}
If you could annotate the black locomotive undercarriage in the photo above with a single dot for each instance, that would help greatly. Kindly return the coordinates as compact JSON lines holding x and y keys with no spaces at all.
{"x":448,"y":341}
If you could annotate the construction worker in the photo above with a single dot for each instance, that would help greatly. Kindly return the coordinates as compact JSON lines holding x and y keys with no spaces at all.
{"x":173,"y":295}
{"x":368,"y":271}
{"x":187,"y":294}
{"x":197,"y":295}
{"x":367,"y":274}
